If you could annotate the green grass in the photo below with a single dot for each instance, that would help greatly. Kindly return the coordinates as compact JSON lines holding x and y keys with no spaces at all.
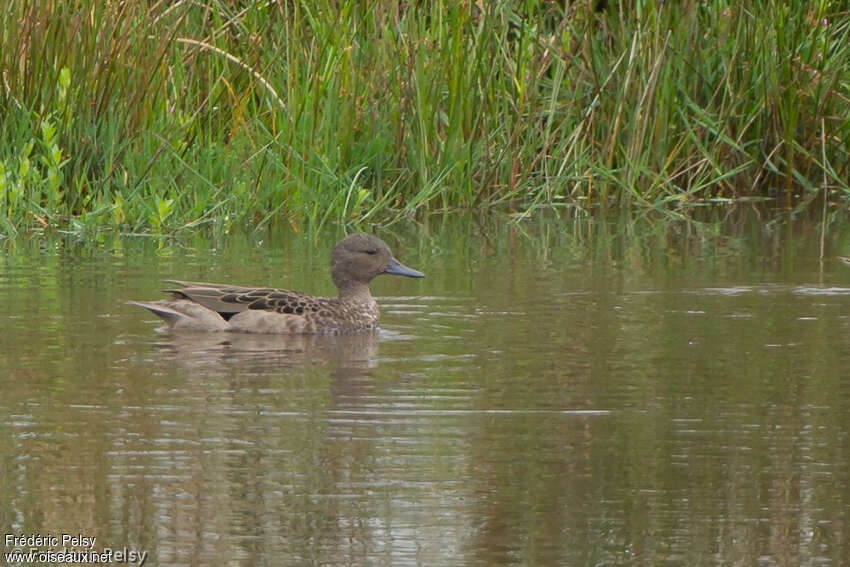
{"x":162,"y":116}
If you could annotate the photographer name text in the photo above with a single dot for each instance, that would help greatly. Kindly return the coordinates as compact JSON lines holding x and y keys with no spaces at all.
{"x":65,"y":548}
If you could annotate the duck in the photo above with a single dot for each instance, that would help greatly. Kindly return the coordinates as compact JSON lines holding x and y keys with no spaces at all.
{"x":355,"y":261}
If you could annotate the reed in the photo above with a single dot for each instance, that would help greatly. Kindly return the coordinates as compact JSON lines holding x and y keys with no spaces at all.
{"x":162,"y":116}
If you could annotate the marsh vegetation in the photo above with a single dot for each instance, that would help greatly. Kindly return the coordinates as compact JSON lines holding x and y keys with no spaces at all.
{"x":161,"y":116}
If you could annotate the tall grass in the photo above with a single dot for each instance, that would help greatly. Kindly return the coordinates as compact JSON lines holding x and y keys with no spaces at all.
{"x":157,"y":116}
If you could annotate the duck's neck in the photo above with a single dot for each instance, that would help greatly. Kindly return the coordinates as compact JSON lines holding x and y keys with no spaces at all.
{"x":355,"y":292}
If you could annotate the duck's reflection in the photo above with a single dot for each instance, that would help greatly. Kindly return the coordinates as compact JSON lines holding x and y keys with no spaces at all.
{"x":256,"y":352}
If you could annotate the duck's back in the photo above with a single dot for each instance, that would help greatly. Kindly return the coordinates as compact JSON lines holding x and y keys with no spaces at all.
{"x":269,"y":310}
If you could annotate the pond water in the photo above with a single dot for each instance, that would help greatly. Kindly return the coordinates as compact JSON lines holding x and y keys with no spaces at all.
{"x":553,"y":392}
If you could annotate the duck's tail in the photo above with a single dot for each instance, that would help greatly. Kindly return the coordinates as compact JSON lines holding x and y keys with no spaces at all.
{"x":184,"y":314}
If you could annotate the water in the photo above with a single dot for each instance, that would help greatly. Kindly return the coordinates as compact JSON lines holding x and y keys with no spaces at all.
{"x":549,"y":394}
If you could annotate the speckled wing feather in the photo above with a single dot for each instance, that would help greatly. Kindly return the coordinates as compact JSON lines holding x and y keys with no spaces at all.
{"x":235,"y":299}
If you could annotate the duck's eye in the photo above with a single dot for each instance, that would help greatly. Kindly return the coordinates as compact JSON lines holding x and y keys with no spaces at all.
{"x":371,"y":251}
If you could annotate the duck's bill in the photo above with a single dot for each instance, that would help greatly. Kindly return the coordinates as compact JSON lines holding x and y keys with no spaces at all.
{"x":396,"y":268}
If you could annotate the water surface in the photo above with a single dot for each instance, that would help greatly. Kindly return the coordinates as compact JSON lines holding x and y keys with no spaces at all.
{"x":551,"y":393}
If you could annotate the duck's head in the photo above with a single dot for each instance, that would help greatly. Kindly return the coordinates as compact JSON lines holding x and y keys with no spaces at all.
{"x":359,"y":258}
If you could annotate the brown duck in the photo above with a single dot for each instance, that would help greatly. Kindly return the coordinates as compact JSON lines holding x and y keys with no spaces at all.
{"x":355,"y":261}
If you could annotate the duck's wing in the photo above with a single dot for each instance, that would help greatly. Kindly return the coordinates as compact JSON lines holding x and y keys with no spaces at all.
{"x":230,"y":299}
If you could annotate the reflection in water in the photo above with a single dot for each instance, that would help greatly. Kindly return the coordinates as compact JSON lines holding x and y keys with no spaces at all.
{"x":255,"y":352}
{"x":539,"y":403}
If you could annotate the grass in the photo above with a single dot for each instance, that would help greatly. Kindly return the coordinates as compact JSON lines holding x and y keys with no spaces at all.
{"x":153,"y":117}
